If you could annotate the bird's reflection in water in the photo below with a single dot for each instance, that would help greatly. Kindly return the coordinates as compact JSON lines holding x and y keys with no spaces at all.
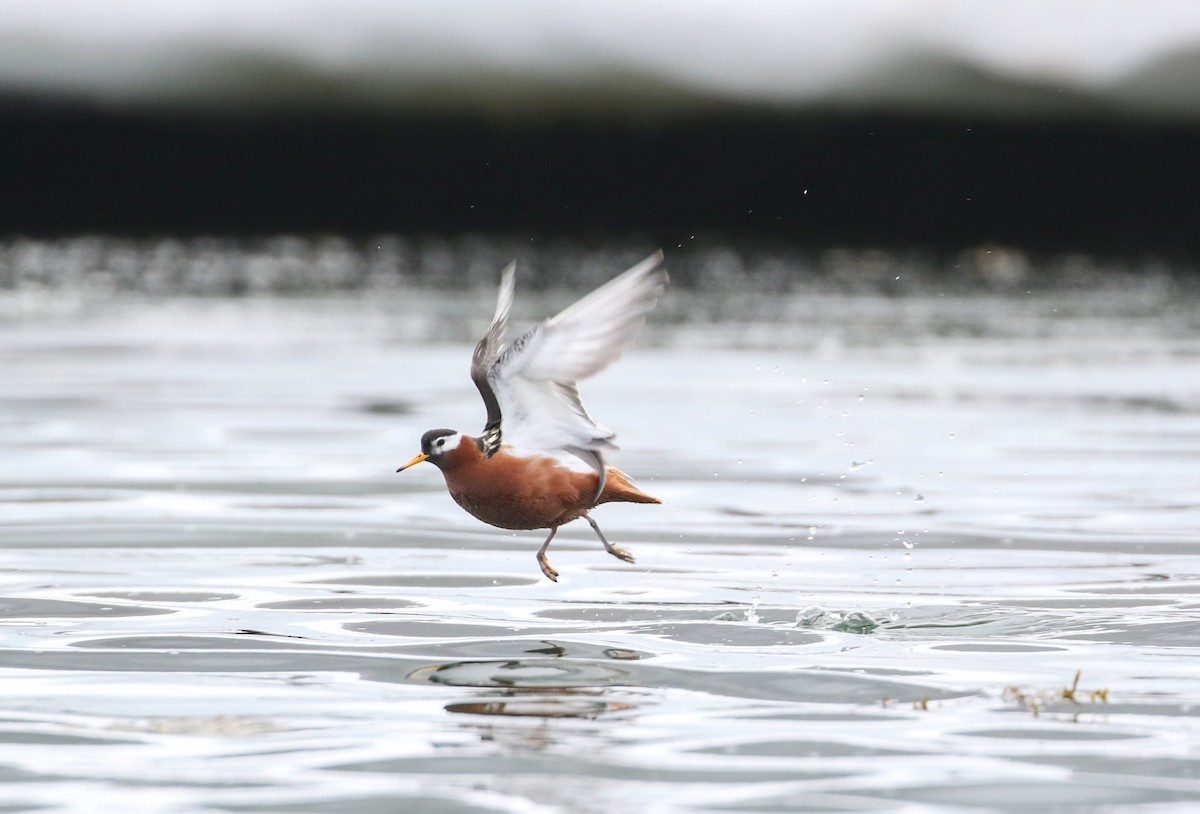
{"x":553,"y":687}
{"x":541,"y":704}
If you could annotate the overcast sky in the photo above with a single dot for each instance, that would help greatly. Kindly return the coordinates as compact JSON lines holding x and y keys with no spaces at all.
{"x":1141,"y":54}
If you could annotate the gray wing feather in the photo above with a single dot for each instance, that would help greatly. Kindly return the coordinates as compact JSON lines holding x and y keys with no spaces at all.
{"x":487,"y":351}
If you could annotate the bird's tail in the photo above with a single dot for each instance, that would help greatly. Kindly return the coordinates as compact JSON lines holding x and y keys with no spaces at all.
{"x":619,"y":489}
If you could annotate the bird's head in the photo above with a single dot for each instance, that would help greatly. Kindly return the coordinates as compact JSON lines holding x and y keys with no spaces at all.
{"x":434,"y":446}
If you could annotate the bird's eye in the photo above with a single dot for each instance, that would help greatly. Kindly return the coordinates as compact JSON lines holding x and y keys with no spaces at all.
{"x":441,"y":442}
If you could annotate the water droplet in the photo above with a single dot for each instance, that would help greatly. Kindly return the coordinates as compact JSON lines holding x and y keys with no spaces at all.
{"x":809,"y":616}
{"x":856,"y":622}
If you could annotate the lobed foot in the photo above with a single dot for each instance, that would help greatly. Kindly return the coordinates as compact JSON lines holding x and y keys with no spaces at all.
{"x":618,"y":552}
{"x":547,"y":568}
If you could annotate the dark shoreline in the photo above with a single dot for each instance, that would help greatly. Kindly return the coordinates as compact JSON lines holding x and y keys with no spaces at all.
{"x":815,"y":180}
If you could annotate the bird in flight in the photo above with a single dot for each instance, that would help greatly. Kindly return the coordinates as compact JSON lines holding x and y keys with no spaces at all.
{"x":524,"y":470}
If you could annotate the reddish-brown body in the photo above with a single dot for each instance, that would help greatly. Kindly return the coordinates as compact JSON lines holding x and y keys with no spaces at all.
{"x":536,"y":492}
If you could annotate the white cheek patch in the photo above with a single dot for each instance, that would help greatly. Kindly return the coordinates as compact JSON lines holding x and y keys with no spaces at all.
{"x":446,"y":443}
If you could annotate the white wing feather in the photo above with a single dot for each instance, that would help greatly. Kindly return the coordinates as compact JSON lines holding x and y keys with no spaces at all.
{"x":534,"y":379}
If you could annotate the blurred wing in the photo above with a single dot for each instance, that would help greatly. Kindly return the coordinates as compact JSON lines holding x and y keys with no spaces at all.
{"x":487,"y":351}
{"x":534,"y":379}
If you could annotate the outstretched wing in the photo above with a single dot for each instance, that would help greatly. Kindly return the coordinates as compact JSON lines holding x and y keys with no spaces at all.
{"x":487,"y":351}
{"x":533,"y":382}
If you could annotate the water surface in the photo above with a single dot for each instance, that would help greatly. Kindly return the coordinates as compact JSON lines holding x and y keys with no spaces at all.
{"x":895,"y":529}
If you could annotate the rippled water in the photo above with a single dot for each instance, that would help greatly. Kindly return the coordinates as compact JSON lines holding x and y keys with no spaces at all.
{"x":895,"y":531}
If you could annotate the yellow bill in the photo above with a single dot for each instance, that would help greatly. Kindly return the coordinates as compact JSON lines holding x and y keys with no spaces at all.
{"x":420,"y":456}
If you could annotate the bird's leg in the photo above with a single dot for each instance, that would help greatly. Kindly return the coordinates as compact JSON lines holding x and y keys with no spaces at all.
{"x":616,"y":551}
{"x":547,"y":568}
